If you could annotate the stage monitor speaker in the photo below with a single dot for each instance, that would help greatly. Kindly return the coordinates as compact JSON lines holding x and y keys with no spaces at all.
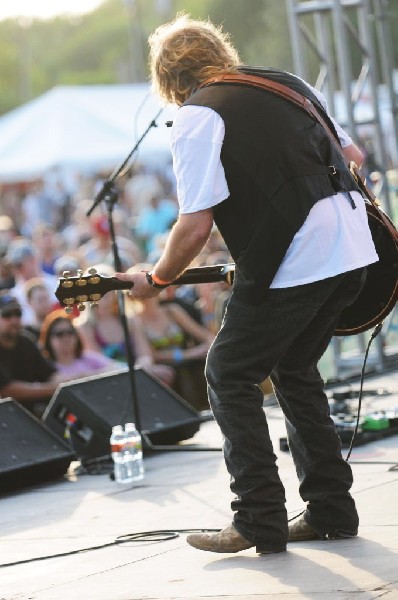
{"x":87,"y":409}
{"x":29,"y":451}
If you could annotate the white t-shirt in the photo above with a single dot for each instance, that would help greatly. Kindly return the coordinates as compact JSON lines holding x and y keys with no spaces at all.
{"x":334,"y":238}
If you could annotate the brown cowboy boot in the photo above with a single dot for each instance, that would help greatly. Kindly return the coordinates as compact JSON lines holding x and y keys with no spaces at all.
{"x":301,"y":531}
{"x":227,"y":540}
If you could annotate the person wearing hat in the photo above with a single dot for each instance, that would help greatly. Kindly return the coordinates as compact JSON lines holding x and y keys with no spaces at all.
{"x":25,"y":374}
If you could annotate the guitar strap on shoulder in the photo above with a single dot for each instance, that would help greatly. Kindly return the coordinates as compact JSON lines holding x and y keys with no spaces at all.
{"x":276,"y":88}
{"x":305,"y":104}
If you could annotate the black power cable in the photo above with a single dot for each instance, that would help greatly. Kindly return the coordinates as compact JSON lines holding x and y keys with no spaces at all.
{"x":375,"y":333}
{"x":160,"y":535}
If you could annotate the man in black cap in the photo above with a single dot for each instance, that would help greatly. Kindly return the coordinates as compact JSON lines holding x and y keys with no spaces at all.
{"x":25,"y":375}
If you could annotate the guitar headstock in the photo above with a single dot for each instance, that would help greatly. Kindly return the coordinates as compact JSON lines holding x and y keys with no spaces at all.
{"x":80,"y":289}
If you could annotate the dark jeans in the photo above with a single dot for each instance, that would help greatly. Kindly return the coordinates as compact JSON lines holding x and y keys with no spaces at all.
{"x":283,"y":337}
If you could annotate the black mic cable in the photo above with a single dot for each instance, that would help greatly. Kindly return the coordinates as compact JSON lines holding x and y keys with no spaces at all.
{"x":375,"y":333}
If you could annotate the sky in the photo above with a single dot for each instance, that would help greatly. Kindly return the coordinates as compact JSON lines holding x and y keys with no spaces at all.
{"x":45,"y":9}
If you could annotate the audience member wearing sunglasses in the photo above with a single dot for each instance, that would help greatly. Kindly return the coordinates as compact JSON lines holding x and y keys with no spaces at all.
{"x":61,"y":344}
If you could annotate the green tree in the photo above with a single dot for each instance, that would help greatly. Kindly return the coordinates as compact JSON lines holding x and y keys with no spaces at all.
{"x":258,"y":28}
{"x":109,"y":45}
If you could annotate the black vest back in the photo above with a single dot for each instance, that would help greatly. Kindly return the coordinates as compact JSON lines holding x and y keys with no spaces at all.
{"x":278,"y":163}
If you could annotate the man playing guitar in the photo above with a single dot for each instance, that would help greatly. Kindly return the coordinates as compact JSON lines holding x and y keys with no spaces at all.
{"x":296,"y":226}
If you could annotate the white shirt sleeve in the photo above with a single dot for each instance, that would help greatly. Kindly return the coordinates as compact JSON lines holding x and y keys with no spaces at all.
{"x":344,"y":138}
{"x":196,"y":141}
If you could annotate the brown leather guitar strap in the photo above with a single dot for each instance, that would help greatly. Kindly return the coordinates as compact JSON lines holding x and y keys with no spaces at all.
{"x":276,"y":88}
{"x":306,"y":105}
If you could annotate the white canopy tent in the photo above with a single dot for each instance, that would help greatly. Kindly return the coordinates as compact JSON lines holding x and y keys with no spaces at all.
{"x":84,"y":128}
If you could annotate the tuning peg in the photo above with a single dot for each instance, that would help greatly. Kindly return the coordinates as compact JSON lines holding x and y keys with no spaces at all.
{"x":81,"y":307}
{"x":95,"y":297}
{"x":92,"y":271}
{"x":81,"y":281}
{"x":68,"y":310}
{"x":94,"y":278}
{"x":67,"y":283}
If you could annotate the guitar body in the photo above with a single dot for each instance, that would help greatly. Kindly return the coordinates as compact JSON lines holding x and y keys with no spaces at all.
{"x":380,"y":292}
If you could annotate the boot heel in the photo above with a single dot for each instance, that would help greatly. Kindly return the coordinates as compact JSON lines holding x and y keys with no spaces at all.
{"x":260,"y":550}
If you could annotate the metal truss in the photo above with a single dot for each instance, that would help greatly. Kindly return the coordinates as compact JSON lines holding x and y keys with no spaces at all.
{"x":332,"y":34}
{"x":344,"y":49}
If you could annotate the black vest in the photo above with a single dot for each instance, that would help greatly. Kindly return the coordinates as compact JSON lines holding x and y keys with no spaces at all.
{"x":278,"y":163}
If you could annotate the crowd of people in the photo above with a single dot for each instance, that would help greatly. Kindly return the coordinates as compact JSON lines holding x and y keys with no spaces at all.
{"x":44,"y":232}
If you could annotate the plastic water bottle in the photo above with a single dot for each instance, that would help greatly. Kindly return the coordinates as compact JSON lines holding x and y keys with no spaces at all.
{"x":117,"y":443}
{"x":134,"y":462}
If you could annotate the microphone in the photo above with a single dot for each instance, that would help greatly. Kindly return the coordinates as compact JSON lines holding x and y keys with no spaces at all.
{"x":169,"y":123}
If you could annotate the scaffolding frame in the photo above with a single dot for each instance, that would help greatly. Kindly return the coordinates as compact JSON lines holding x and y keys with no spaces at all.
{"x":330,"y":30}
{"x":329,"y":40}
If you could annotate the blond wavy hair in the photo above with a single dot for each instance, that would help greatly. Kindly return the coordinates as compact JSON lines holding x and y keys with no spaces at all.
{"x":186,"y":52}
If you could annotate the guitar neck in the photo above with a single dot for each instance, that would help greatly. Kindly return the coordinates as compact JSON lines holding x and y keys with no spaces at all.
{"x":80,"y":289}
{"x":206,"y":274}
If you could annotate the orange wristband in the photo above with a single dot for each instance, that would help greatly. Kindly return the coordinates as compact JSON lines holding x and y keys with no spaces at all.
{"x":159,"y":281}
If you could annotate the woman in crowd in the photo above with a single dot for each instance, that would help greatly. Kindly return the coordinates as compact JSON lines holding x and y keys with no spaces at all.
{"x":177,"y":339}
{"x":173,"y":334}
{"x":61,"y":343}
{"x":101,"y":331}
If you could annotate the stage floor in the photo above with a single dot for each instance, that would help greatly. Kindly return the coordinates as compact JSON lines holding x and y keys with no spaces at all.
{"x":190,"y":490}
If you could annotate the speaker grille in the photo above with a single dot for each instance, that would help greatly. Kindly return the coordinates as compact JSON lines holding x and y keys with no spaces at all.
{"x":29,"y":451}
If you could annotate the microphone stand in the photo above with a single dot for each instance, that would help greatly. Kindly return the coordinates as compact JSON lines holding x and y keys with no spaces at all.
{"x":109,"y":195}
